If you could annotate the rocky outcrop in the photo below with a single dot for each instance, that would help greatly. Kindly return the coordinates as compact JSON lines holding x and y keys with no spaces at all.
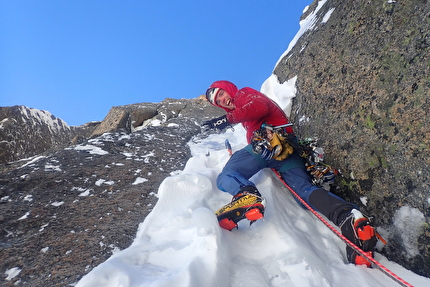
{"x":126,"y":117}
{"x":132,"y":117}
{"x":363,"y":82}
{"x":57,"y":207}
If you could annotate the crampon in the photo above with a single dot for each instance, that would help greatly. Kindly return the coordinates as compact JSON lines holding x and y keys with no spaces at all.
{"x":245,"y":205}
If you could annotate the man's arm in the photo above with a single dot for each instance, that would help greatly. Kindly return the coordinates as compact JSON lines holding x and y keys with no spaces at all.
{"x":254,"y":109}
{"x":217,"y":123}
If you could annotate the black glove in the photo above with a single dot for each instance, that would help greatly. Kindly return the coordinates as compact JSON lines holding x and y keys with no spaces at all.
{"x":217,"y":123}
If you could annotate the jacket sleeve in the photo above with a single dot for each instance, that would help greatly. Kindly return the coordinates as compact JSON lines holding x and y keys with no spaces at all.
{"x":250,"y":108}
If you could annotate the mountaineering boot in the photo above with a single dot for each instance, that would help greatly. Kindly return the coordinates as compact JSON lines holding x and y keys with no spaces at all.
{"x":248,"y":203}
{"x":356,"y":227}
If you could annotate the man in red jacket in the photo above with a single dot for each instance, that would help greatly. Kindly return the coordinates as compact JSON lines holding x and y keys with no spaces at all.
{"x":255,"y":111}
{"x":247,"y":106}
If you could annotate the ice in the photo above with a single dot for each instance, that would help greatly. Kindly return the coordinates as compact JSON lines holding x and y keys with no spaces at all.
{"x":409,"y":223}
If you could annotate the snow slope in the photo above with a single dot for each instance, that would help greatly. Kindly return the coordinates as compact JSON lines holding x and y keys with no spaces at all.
{"x":181,"y":244}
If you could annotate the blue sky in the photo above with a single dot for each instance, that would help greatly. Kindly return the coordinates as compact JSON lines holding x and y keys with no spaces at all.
{"x":77,"y":59}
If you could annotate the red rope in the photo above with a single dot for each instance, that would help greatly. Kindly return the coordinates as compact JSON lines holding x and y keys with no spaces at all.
{"x":381,"y":267}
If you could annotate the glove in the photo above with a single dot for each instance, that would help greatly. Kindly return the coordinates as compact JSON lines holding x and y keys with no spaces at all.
{"x":217,"y":123}
{"x":281,"y":148}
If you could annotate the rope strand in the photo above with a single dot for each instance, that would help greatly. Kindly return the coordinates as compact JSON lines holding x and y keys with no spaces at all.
{"x":381,"y":267}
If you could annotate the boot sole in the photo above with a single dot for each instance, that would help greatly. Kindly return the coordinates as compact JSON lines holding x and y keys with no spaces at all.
{"x":228,"y":220}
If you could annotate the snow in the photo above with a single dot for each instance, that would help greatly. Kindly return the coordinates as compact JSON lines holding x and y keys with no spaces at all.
{"x":25,"y":216}
{"x":309,"y":23}
{"x":53,"y":123}
{"x":99,"y":182}
{"x":31,"y":160}
{"x":85,"y":193}
{"x":409,"y":221}
{"x":181,"y":244}
{"x":364,"y":200}
{"x":12,"y":273}
{"x":282,"y":94}
{"x":139,"y":180}
{"x":57,"y":203}
{"x":43,"y":227}
{"x":173,"y":125}
{"x":2,"y":122}
{"x":50,"y":167}
{"x":91,"y":149}
{"x":327,"y":16}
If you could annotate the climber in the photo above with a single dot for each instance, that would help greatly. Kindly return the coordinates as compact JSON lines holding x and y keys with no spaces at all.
{"x":258,"y":113}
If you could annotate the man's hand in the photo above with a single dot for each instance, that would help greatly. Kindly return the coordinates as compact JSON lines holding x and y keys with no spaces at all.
{"x":217,"y":123}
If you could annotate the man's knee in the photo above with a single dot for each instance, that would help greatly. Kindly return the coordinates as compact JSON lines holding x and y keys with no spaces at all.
{"x":219,"y":181}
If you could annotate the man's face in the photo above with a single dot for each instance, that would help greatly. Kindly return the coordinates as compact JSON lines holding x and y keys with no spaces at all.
{"x":223,"y":99}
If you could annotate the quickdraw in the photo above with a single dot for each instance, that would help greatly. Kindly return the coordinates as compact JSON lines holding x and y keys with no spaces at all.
{"x":322,"y":174}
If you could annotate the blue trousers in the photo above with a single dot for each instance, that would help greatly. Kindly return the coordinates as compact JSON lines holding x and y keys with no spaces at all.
{"x":243,"y":164}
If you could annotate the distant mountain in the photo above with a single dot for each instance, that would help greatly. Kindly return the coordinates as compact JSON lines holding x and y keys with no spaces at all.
{"x":26,"y":132}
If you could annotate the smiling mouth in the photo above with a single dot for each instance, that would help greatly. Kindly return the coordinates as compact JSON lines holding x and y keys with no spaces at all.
{"x":228,"y":102}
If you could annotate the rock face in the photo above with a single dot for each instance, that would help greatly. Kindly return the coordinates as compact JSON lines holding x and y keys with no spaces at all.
{"x":65,"y":211}
{"x":363,"y":86}
{"x":130,"y":117}
{"x":126,"y":117}
{"x":25,"y":132}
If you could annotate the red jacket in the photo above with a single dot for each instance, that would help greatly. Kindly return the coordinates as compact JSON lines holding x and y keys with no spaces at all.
{"x":252,"y":109}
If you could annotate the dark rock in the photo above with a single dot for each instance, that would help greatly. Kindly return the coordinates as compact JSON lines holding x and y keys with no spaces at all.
{"x":363,"y":81}
{"x":65,"y":211}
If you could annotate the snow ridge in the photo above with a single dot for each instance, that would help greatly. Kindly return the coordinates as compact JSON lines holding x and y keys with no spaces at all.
{"x":39,"y":117}
{"x":309,"y":23}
